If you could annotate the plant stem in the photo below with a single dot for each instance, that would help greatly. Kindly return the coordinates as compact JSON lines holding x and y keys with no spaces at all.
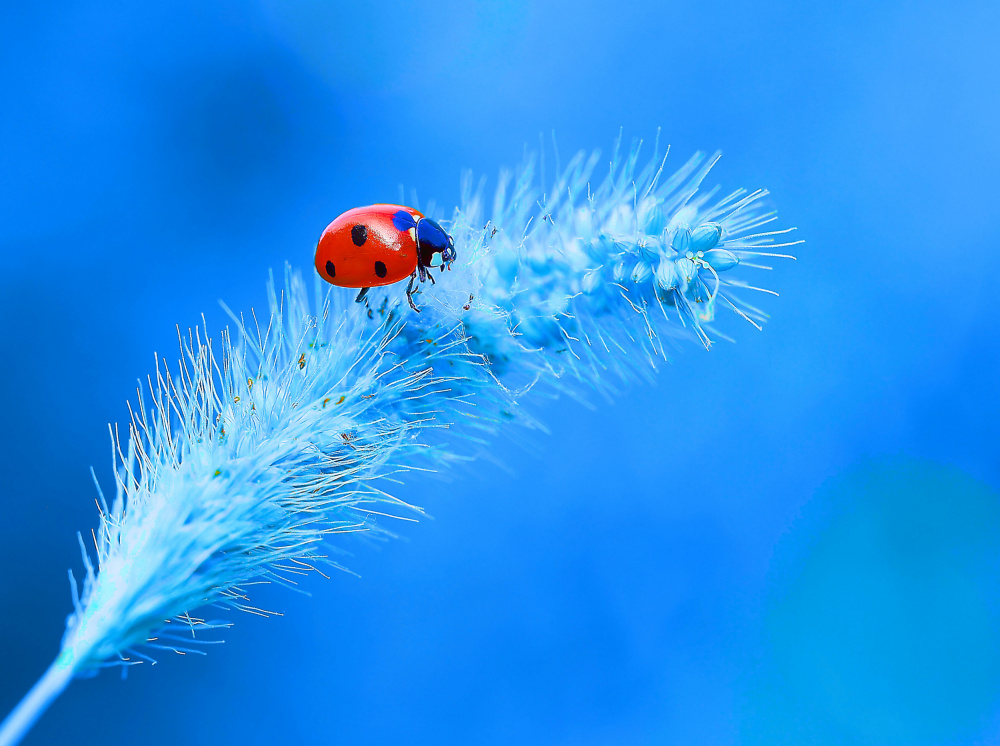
{"x":36,"y":701}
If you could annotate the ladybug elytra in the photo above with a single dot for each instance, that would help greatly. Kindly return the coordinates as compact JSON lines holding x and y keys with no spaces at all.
{"x":382,"y":244}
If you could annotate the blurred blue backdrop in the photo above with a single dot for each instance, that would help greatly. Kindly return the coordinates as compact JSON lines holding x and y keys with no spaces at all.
{"x":793,"y":539}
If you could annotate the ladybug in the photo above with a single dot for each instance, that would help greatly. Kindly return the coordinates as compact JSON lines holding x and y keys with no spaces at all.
{"x":381,"y":244}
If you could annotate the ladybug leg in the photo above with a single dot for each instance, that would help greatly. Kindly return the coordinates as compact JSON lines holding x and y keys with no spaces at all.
{"x":361,"y":295}
{"x":409,"y":293}
{"x":430,"y":276}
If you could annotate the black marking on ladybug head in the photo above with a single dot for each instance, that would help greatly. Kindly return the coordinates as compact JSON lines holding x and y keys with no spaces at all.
{"x":380,"y":269}
{"x":359,"y":234}
{"x":433,"y":239}
{"x":431,"y":236}
{"x":331,"y":270}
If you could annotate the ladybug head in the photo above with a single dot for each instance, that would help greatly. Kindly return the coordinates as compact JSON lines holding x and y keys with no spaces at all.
{"x":449,"y":255}
{"x":432,"y":239}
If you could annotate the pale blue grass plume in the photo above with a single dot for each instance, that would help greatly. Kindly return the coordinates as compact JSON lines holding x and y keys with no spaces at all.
{"x":244,"y":460}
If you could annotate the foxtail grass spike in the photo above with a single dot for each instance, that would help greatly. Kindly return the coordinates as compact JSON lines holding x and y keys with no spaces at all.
{"x":242,"y":462}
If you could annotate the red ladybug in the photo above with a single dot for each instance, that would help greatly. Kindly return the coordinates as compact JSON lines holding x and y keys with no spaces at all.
{"x":381,"y":244}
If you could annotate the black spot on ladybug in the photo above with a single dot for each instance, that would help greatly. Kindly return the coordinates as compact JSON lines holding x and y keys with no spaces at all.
{"x":331,"y":270}
{"x":359,"y":234}
{"x":380,"y":269}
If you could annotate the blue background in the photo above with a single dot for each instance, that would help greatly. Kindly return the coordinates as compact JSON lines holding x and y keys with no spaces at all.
{"x":793,"y":539}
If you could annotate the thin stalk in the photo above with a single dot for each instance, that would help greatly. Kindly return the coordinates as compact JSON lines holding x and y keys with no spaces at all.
{"x":37,"y":701}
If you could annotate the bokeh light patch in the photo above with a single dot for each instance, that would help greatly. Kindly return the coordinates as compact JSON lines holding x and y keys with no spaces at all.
{"x":882,"y":618}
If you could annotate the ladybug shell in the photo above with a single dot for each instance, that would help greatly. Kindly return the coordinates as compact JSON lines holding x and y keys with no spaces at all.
{"x":362,"y":248}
